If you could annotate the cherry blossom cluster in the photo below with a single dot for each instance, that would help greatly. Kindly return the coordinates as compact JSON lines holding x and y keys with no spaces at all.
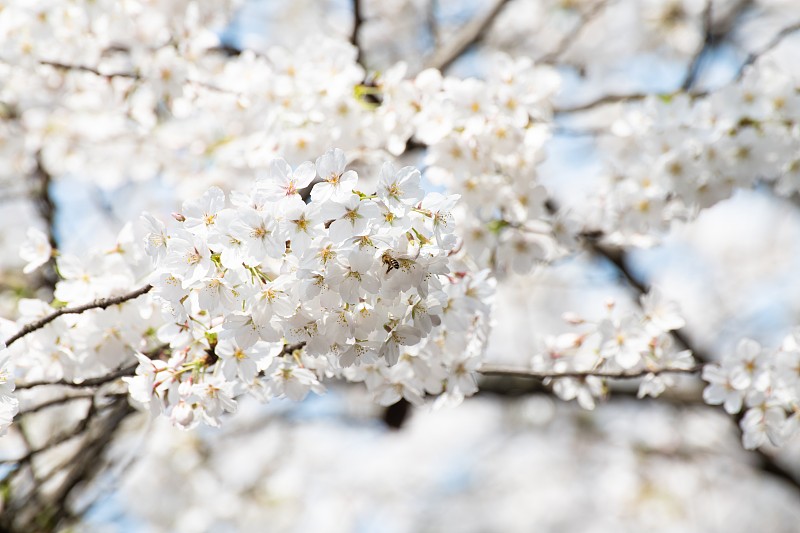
{"x":93,"y":29}
{"x":271,"y":295}
{"x":81,"y":346}
{"x":86,"y":83}
{"x":270,"y":292}
{"x":676,"y":155}
{"x":181,"y":112}
{"x":485,"y":141}
{"x":142,"y":91}
{"x":763,"y":382}
{"x":623,"y":344}
{"x":365,"y":279}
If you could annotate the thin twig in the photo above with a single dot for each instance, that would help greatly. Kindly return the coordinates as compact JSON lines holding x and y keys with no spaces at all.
{"x":709,"y":41}
{"x":78,"y":430}
{"x":87,"y":462}
{"x":573,"y":35}
{"x":715,"y":33}
{"x":514,"y":386}
{"x":358,"y":20}
{"x":91,"y":70}
{"x":603,"y":100}
{"x":101,"y":303}
{"x":618,"y":258}
{"x":128,"y":75}
{"x":475,"y":31}
{"x":509,"y":371}
{"x":55,"y":401}
{"x":752,"y":57}
{"x":91,"y":382}
{"x":100,"y":380}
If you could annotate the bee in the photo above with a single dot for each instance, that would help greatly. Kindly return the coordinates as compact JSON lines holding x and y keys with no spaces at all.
{"x":390,"y":262}
{"x":402,"y":262}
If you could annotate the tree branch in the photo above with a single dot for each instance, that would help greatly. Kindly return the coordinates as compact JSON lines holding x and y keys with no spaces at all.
{"x":766,"y":462}
{"x":47,"y":209}
{"x":508,"y":371}
{"x":603,"y":100}
{"x":752,"y":57}
{"x":87,"y":462}
{"x":101,"y":303}
{"x":358,"y":20}
{"x":129,"y":75}
{"x":91,"y":382}
{"x":715,"y":33}
{"x":709,"y":41}
{"x":91,"y":70}
{"x":100,"y":380}
{"x":431,"y":23}
{"x":568,"y":40}
{"x":55,"y":401}
{"x":472,"y":33}
{"x":76,"y":431}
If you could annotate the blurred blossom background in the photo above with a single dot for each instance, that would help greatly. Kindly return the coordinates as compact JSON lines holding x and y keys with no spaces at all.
{"x":513,"y":458}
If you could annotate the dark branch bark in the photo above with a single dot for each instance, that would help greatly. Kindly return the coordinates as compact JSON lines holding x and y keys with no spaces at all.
{"x":358,"y":20}
{"x":431,"y":22}
{"x":752,"y":57}
{"x":91,"y":70}
{"x":101,"y":303}
{"x":709,"y":41}
{"x":47,"y":210}
{"x":569,"y":39}
{"x":472,"y":33}
{"x":496,"y":370}
{"x":55,"y":401}
{"x":766,"y":462}
{"x":88,"y":461}
{"x":91,"y":382}
{"x":603,"y":100}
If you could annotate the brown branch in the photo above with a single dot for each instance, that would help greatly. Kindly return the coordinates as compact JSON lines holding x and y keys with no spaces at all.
{"x":55,"y":401}
{"x":87,"y":462}
{"x":508,"y":371}
{"x":91,"y":70}
{"x":100,"y":303}
{"x":128,"y":75}
{"x":514,"y":386}
{"x":47,"y":210}
{"x":617,"y":258}
{"x":569,"y":39}
{"x":78,"y":430}
{"x":91,"y":382}
{"x":101,"y":380}
{"x":715,"y":33}
{"x":709,"y":41}
{"x":472,"y":33}
{"x":430,"y":21}
{"x":358,"y":20}
{"x":603,"y":100}
{"x":97,"y":428}
{"x":752,"y":57}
